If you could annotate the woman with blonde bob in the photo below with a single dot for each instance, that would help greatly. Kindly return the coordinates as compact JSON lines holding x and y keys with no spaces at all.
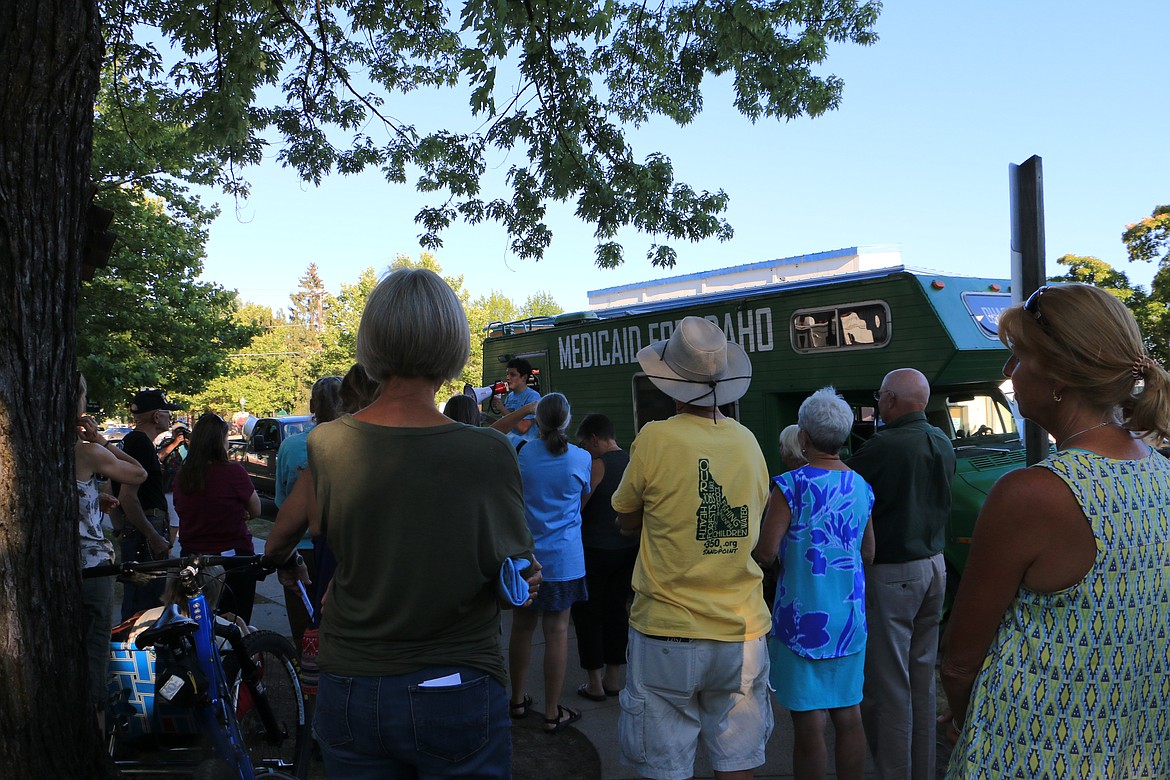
{"x":421,"y":513}
{"x":818,"y":525}
{"x":1055,"y":658}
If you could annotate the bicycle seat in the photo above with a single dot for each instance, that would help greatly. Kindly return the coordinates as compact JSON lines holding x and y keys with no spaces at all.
{"x":171,"y":625}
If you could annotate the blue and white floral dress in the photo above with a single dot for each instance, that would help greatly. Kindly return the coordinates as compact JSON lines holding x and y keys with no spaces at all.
{"x":818,"y":622}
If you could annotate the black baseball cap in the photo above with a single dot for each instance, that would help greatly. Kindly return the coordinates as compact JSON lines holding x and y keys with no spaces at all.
{"x":150,"y":400}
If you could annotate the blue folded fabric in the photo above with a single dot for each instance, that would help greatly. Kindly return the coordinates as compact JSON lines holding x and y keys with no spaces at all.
{"x":513,"y":586}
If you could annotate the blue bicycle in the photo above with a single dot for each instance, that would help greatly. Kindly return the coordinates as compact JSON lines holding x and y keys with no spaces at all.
{"x":192,"y":692}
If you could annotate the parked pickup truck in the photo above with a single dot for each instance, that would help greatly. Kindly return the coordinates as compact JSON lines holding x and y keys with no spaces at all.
{"x":257,"y":451}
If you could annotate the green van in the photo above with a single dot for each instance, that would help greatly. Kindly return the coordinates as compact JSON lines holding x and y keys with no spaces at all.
{"x":846,"y":330}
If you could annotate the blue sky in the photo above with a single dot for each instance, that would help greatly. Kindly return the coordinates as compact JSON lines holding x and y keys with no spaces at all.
{"x":916,"y":156}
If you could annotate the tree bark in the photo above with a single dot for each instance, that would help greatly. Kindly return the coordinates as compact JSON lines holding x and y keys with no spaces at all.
{"x":50,"y":53}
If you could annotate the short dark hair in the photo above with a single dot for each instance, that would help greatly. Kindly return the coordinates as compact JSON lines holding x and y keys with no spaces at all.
{"x":324,"y":400}
{"x":357,"y":390}
{"x":596,"y":424}
{"x":461,"y":408}
{"x":521,"y":365}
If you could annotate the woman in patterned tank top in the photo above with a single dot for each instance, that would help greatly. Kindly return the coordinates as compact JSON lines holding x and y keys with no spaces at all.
{"x":1055,"y":660}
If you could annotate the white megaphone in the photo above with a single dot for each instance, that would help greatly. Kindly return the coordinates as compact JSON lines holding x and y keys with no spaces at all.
{"x":478,"y":394}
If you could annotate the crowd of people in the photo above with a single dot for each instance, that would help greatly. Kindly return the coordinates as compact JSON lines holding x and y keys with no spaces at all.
{"x":1054,"y":661}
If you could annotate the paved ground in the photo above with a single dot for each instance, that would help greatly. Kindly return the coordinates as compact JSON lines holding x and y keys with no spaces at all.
{"x":570,"y":756}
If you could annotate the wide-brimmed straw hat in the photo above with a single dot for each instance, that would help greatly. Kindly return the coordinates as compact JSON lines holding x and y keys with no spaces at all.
{"x":697,"y":365}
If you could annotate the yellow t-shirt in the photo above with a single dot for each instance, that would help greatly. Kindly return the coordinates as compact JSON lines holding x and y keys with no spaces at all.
{"x":702,"y":487}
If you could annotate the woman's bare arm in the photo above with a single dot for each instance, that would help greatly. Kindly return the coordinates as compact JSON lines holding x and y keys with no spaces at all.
{"x":777,"y":518}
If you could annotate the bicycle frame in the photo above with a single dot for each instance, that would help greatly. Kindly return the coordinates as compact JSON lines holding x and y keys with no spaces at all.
{"x":217,"y":716}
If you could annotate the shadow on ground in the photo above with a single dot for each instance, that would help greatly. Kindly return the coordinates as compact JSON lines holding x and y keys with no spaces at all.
{"x":566,"y":755}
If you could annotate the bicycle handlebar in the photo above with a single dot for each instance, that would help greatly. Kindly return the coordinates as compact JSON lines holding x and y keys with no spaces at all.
{"x":197,"y":561}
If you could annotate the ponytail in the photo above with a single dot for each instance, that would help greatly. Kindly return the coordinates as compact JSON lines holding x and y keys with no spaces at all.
{"x":552,"y":419}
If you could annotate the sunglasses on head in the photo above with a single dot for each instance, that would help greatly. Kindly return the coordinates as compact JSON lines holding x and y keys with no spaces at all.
{"x":1032,"y":306}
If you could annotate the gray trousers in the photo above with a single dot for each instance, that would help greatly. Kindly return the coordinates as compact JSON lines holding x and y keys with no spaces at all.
{"x":903,"y":604}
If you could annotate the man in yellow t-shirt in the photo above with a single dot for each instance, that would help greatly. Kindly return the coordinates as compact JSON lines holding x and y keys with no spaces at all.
{"x":695,"y":490}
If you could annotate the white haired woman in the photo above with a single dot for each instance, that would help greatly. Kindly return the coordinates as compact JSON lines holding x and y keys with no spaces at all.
{"x":818,"y":523}
{"x":556,"y":484}
{"x":421,"y":513}
{"x":790,"y":449}
{"x":1055,"y":657}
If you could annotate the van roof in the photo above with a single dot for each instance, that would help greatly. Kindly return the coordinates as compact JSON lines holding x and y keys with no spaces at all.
{"x":924,"y":276}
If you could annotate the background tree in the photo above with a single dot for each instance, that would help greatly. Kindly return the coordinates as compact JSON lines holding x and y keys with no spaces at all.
{"x":1148,"y":308}
{"x":1091,"y":270}
{"x":340,"y":338}
{"x":241,"y":74}
{"x":1146,"y":238}
{"x":145,"y":320}
{"x":541,"y":304}
{"x":309,"y":305}
{"x":275,"y":372}
{"x":265,"y":373}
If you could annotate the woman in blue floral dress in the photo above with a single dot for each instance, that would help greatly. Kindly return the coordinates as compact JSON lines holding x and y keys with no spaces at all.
{"x":818,"y":524}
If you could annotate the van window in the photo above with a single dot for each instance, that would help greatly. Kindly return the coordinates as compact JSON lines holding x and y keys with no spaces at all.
{"x":848,"y":326}
{"x":268,"y":430}
{"x":652,"y":404}
{"x":295,"y":428}
{"x":976,"y":416}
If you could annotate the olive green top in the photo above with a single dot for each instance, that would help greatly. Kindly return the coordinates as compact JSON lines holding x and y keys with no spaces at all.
{"x":420,"y":520}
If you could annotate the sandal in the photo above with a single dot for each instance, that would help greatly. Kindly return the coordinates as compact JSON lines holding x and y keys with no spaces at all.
{"x":613,"y":692}
{"x":565,"y":716}
{"x":584,"y":693}
{"x":519,"y":710}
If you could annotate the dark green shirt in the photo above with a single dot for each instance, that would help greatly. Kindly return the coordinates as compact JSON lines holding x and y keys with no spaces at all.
{"x":420,"y":520}
{"x":909,"y":464}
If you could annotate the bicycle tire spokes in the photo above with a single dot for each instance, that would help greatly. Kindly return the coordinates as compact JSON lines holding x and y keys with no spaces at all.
{"x":269,"y":702}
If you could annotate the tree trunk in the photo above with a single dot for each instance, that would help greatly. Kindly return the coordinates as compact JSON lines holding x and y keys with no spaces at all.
{"x":50,"y":54}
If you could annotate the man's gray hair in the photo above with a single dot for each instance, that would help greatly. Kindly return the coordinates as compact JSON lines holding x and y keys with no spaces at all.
{"x":413,"y":326}
{"x":826,"y":419}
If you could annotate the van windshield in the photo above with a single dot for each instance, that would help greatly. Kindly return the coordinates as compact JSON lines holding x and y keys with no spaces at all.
{"x":976,"y":416}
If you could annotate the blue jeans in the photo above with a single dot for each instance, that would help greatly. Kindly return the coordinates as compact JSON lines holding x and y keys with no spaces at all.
{"x":382,"y":728}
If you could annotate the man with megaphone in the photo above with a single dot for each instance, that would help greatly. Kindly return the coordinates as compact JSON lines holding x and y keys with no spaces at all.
{"x":516,"y":378}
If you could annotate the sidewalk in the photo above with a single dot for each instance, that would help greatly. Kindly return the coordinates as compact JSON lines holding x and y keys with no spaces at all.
{"x":600,"y":719}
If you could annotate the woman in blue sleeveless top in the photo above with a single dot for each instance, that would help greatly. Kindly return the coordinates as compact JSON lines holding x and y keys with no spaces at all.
{"x":818,"y":523}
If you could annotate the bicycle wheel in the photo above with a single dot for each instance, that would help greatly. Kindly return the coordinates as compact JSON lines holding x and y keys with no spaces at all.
{"x":273,"y":655}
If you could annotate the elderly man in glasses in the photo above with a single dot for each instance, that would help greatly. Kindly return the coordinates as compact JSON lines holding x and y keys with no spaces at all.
{"x":909,"y":463}
{"x":145,"y":534}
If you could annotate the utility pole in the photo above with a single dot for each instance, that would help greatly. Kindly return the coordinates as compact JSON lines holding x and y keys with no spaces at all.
{"x":1026,"y":182}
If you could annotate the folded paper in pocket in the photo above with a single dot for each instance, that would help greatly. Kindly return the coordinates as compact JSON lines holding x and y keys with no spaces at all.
{"x":443,"y":682}
{"x":513,"y":587}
